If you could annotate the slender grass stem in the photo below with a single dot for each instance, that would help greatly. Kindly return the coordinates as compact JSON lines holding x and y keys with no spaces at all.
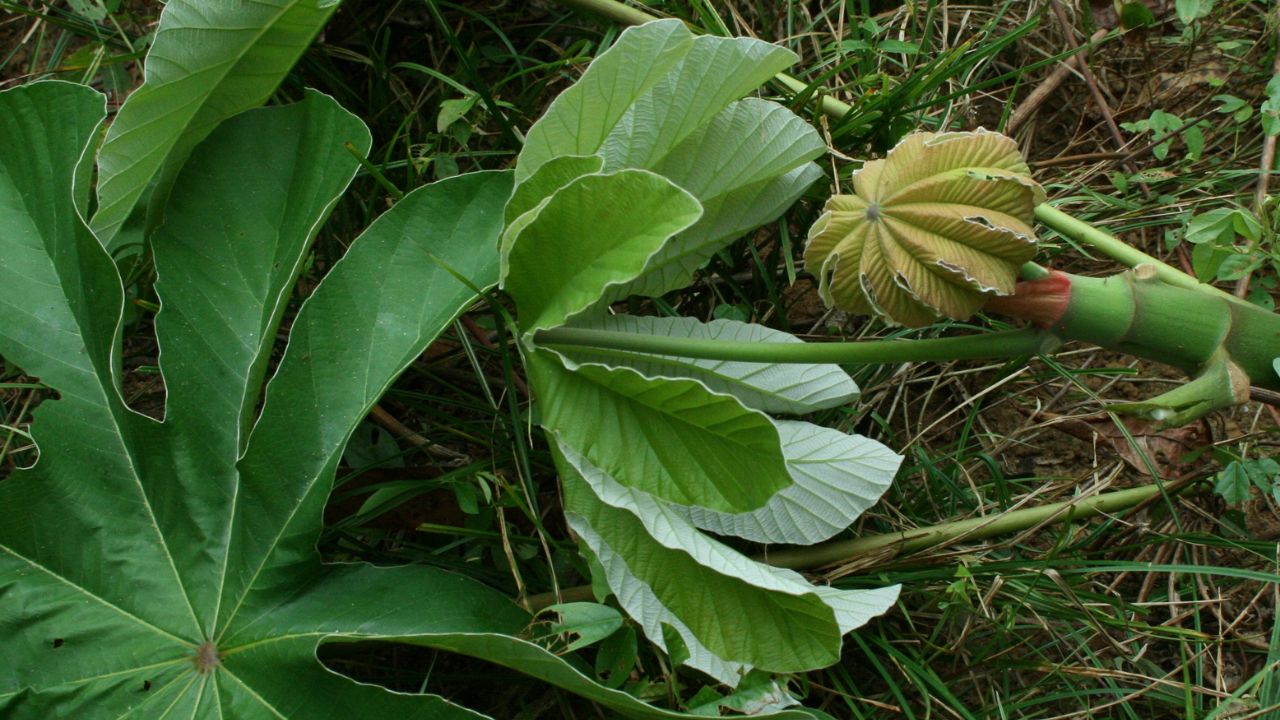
{"x":1005,"y":344}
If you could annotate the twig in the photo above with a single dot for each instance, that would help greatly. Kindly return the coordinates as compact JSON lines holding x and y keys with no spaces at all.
{"x":1027,"y":107}
{"x":1264,"y":176}
{"x":388,"y":421}
{"x":1263,"y":395}
{"x":1094,"y":90}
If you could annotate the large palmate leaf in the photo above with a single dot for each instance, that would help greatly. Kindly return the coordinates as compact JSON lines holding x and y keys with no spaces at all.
{"x":210,"y":59}
{"x":939,"y":226}
{"x":169,"y":569}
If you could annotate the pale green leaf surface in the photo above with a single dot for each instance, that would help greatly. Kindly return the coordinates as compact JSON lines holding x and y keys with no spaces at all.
{"x":724,"y":219}
{"x":581,"y":117}
{"x":746,"y":165}
{"x":548,"y":178}
{"x":749,"y":141}
{"x":595,"y":232}
{"x":837,"y":477}
{"x":703,"y":583}
{"x":643,"y":604}
{"x":673,"y":438}
{"x":746,"y":160}
{"x":768,"y":387}
{"x":531,"y":195}
{"x":210,"y":59}
{"x":713,"y":73}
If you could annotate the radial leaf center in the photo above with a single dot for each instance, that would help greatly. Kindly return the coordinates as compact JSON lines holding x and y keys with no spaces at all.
{"x":206,"y":658}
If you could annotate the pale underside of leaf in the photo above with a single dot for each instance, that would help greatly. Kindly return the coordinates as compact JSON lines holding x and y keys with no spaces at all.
{"x":703,"y":583}
{"x":531,"y":196}
{"x":581,"y":117}
{"x":548,"y":178}
{"x":746,"y":165}
{"x":768,"y":387}
{"x":837,"y":477}
{"x":713,"y":73}
{"x":742,"y":159}
{"x":835,"y":243}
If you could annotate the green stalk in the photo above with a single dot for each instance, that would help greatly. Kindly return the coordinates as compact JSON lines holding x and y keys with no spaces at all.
{"x":1138,"y":314}
{"x":980,"y":528}
{"x":1119,"y":250}
{"x":615,"y":11}
{"x":910,"y":541}
{"x":1006,"y":344}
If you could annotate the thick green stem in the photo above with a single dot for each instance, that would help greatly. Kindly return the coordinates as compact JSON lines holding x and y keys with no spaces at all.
{"x":1138,"y":314}
{"x":615,"y":11}
{"x":1007,"y":344}
{"x":892,"y":545}
{"x":1118,"y":250}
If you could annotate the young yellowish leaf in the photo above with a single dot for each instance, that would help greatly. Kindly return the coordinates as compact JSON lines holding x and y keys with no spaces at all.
{"x":936,"y":228}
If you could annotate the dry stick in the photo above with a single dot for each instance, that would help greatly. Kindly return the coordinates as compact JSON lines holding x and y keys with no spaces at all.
{"x":893,"y":545}
{"x":1046,"y":88}
{"x":389,"y":421}
{"x":1264,"y":176}
{"x":1098,"y":98}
